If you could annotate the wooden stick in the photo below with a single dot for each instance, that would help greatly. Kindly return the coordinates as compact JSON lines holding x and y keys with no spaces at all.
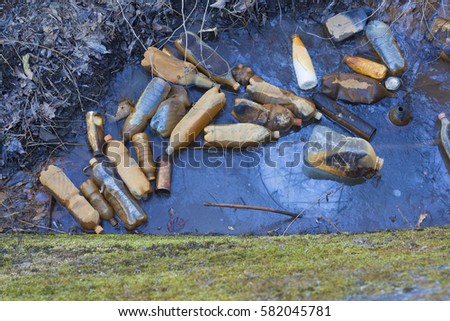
{"x":256,"y":208}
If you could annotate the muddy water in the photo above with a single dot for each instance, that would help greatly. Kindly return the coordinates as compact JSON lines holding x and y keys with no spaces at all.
{"x":414,"y":177}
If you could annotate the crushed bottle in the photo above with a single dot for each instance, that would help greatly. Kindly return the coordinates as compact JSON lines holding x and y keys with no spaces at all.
{"x":444,"y":134}
{"x":273,"y":117}
{"x":238,"y":135}
{"x":366,"y":67}
{"x":303,"y":66}
{"x":384,"y":43}
{"x":155,"y":92}
{"x":205,"y":58}
{"x":126,"y":207}
{"x":130,"y":172}
{"x":66,"y":193}
{"x":144,"y":154}
{"x":93,"y":195}
{"x":353,"y":88}
{"x":174,"y":70}
{"x":200,"y":115}
{"x":340,"y":155}
{"x":346,"y":24}
{"x":94,"y":128}
{"x":170,"y":111}
{"x":343,"y":116}
{"x":164,"y":177}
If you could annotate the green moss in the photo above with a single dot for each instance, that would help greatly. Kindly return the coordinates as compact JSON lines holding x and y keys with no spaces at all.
{"x":398,"y":265}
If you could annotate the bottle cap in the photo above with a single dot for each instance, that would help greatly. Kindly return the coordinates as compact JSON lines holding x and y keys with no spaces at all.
{"x":108,"y":138}
{"x":93,"y":161}
{"x":98,"y":229}
{"x":318,"y":115}
{"x":113,"y":221}
{"x":170,"y":150}
{"x":442,"y":116}
{"x":236,"y":86}
{"x":298,"y":122}
{"x":379,"y":163}
{"x":276,"y":134}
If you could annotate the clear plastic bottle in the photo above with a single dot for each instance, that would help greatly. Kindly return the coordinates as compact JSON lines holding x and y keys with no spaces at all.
{"x":445,"y":133}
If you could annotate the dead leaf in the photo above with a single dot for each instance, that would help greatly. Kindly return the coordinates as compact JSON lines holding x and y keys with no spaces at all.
{"x":422,"y":218}
{"x":26,"y":66}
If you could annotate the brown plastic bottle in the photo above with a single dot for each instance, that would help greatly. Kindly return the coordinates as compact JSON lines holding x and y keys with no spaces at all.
{"x":94,"y":128}
{"x":444,"y":133}
{"x":190,"y":126}
{"x":155,"y":92}
{"x":144,"y":154}
{"x":340,"y":155}
{"x":205,"y":58}
{"x":366,"y":67}
{"x":273,"y":117}
{"x":126,"y":207}
{"x":130,"y":172}
{"x":93,"y":195}
{"x":66,"y":193}
{"x":174,"y":70}
{"x":238,"y":135}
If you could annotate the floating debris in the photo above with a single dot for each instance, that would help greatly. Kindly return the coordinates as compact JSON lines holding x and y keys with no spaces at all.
{"x":176,"y":223}
{"x":93,"y":195}
{"x":303,"y":66}
{"x":144,"y":154}
{"x":94,"y":128}
{"x":346,"y":24}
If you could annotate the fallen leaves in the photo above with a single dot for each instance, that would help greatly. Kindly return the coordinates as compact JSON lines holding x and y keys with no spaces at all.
{"x":422,"y":218}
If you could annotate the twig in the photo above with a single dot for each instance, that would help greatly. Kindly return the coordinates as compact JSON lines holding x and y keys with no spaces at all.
{"x":44,"y":227}
{"x":256,"y":208}
{"x":4,"y":41}
{"x":129,"y":24}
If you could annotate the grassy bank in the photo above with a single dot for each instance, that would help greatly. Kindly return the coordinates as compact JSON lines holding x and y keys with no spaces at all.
{"x":386,"y":265}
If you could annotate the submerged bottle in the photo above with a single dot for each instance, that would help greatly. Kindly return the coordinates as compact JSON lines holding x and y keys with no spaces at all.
{"x":343,"y":116}
{"x":273,"y":117}
{"x":205,"y":58}
{"x":445,"y":133}
{"x":353,"y":88}
{"x":346,"y":24}
{"x":190,"y":126}
{"x":174,"y":70}
{"x":238,"y":135}
{"x":303,"y":66}
{"x":130,"y":172}
{"x":366,"y":67}
{"x":66,"y":193}
{"x":126,"y":207}
{"x":170,"y":111}
{"x":263,"y":92}
{"x":145,"y":155}
{"x":155,"y":92}
{"x":340,"y":155}
{"x":94,"y":128}
{"x":384,"y":43}
{"x":93,"y":195}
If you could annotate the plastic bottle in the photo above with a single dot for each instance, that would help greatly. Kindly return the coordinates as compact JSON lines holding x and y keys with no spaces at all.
{"x":93,"y":195}
{"x":205,"y":58}
{"x":94,"y":128}
{"x":303,"y":66}
{"x":124,"y":108}
{"x":273,"y":117}
{"x":238,"y":135}
{"x":340,"y":155}
{"x":445,"y":133}
{"x":353,"y":88}
{"x":346,"y":24}
{"x":190,"y":126}
{"x":263,"y":92}
{"x":130,"y":172}
{"x":126,"y":207}
{"x":145,"y":155}
{"x":155,"y":92}
{"x":170,"y":111}
{"x":366,"y":67}
{"x":382,"y":39}
{"x":66,"y":193}
{"x":174,"y":70}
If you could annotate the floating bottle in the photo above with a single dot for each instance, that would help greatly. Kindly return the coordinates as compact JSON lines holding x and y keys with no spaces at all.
{"x":353,"y":88}
{"x":263,"y":92}
{"x":238,"y":135}
{"x":94,"y":128}
{"x":170,"y":111}
{"x":366,"y":67}
{"x":340,"y":155}
{"x":205,"y":58}
{"x":174,"y":70}
{"x":346,"y":24}
{"x":273,"y":117}
{"x":124,"y":108}
{"x":384,"y":43}
{"x":130,"y":172}
{"x":66,"y":193}
{"x":145,"y":155}
{"x":126,"y":207}
{"x":93,"y":195}
{"x":343,"y":116}
{"x":163,"y":179}
{"x":445,"y":133}
{"x":190,"y":126}
{"x":155,"y":92}
{"x":303,"y":66}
